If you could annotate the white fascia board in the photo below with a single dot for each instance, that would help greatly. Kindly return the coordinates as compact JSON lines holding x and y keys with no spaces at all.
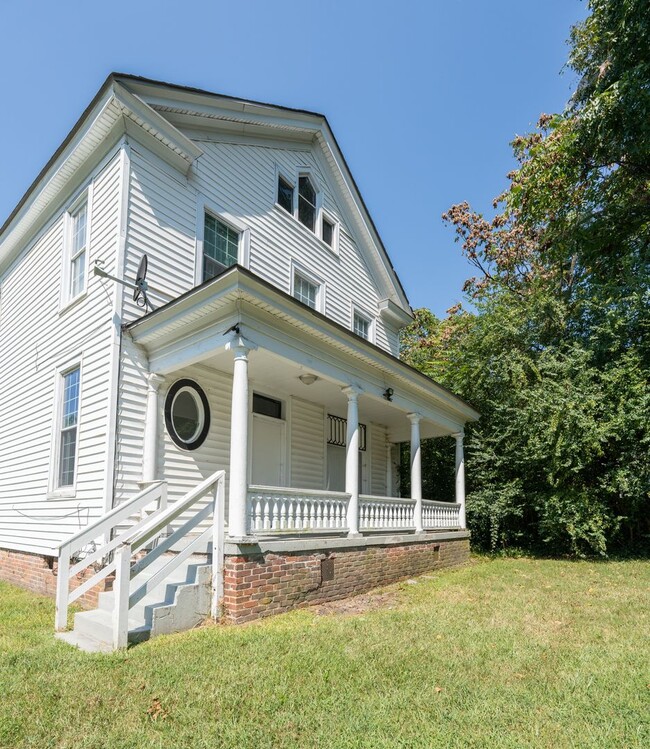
{"x":149,"y":121}
{"x":99,"y":125}
{"x":383,"y":264}
{"x":160,"y":95}
{"x":115,"y":113}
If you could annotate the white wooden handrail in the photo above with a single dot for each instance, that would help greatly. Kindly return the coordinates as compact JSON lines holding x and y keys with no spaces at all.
{"x":142,"y":535}
{"x":138,"y":537}
{"x":104,"y":526}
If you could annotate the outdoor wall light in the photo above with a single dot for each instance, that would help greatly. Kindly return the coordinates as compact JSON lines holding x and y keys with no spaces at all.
{"x":308,"y":379}
{"x":388,"y":394}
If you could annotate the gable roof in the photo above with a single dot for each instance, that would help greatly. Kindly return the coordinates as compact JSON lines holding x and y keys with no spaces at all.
{"x":143,"y":105}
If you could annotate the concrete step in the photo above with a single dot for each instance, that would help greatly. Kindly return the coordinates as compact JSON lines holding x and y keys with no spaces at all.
{"x":83,"y":642}
{"x":98,"y":625}
{"x":179,"y":603}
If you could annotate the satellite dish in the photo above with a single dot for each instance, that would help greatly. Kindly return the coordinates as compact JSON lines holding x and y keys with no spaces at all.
{"x":140,"y":287}
{"x":140,"y":290}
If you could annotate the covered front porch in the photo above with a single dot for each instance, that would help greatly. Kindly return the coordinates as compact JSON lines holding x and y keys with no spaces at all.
{"x":306,"y":417}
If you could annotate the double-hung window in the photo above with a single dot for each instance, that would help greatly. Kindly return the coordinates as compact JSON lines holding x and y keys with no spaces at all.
{"x":76,"y":251}
{"x":68,"y":425}
{"x":306,"y":202}
{"x":361,"y":325}
{"x":306,"y":291}
{"x":220,"y":246}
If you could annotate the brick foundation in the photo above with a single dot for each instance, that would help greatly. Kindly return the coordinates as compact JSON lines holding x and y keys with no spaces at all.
{"x":257,"y":585}
{"x":263,"y":583}
{"x":38,"y":573}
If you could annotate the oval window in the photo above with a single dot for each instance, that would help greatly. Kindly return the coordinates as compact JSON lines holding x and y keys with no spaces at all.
{"x":187,"y":414}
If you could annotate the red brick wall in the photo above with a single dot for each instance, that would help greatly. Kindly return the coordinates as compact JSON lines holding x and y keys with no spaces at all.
{"x":33,"y":572}
{"x":265,"y":584}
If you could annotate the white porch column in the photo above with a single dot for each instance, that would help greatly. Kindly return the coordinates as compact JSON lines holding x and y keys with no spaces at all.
{"x":150,"y":447}
{"x":352,"y":459}
{"x":416,"y":470}
{"x":238,"y":488}
{"x":460,"y":477}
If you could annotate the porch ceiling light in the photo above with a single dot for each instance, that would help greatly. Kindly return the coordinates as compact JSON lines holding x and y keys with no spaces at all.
{"x":388,"y":394}
{"x":308,"y":379}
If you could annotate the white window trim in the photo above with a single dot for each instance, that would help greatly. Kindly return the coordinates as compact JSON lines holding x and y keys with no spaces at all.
{"x":85,"y":196}
{"x":300,"y":270}
{"x":321,"y":212}
{"x":307,"y":171}
{"x":204,"y":206}
{"x":56,"y":492}
{"x":370,"y":319}
{"x":334,"y":247}
{"x":291,"y":180}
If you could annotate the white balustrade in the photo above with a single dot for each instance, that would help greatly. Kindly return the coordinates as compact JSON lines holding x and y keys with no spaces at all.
{"x":377,"y":513}
{"x":440,"y":514}
{"x":276,"y":509}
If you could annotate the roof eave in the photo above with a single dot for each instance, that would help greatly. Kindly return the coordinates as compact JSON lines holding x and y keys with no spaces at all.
{"x":236,"y":274}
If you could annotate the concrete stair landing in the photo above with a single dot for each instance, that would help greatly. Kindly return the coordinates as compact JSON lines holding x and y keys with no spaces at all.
{"x":179,"y":603}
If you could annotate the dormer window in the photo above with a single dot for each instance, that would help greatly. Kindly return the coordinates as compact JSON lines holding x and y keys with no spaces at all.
{"x":220,"y":247}
{"x":306,"y":202}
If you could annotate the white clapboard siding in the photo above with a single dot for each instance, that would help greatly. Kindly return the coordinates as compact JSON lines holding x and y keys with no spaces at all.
{"x":182,"y":469}
{"x":307,"y":445}
{"x":162,"y":224}
{"x":241,"y":179}
{"x":378,"y":460}
{"x":35,"y":339}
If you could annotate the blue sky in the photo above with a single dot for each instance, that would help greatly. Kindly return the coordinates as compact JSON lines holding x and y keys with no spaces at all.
{"x":423,"y":97}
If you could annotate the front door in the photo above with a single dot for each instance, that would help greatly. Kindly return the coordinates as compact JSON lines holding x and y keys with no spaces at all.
{"x":268,"y":451}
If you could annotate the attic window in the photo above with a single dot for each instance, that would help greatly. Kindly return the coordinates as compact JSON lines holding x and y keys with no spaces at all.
{"x":285,"y":194}
{"x":327,"y":231}
{"x":306,"y":202}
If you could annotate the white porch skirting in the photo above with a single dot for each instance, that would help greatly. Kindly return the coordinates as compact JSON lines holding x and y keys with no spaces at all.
{"x":282,"y":510}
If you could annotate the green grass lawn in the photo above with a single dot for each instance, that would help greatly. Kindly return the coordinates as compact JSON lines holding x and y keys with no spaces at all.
{"x":504,"y":653}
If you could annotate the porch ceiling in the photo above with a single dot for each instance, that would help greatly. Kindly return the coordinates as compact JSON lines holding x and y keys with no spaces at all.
{"x":278,"y":377}
{"x":292,"y":339}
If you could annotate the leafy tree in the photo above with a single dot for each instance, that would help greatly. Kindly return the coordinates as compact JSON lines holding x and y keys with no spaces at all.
{"x":555,"y":352}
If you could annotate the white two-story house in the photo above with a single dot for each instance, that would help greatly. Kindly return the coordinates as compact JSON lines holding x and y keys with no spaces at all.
{"x":246,"y":406}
